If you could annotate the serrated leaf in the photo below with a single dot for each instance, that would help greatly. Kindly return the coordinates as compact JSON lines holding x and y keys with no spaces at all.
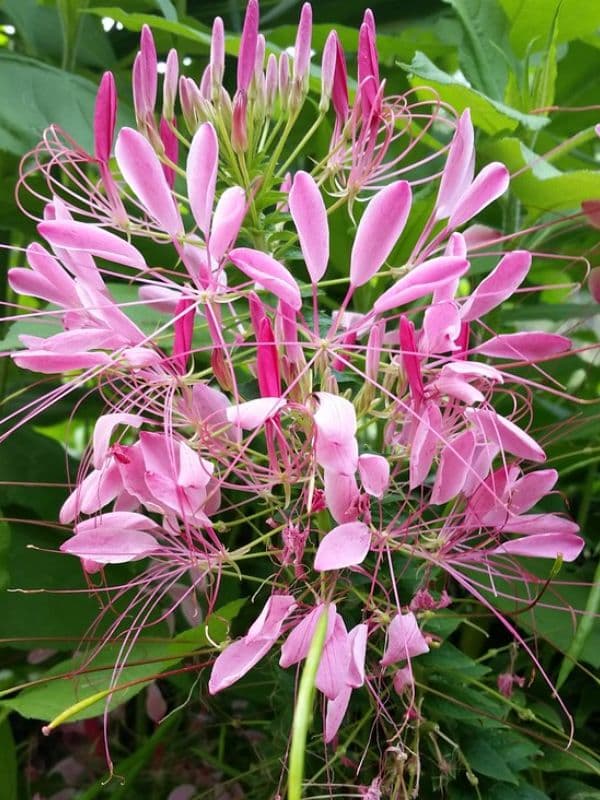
{"x":486,"y":760}
{"x":490,"y":115}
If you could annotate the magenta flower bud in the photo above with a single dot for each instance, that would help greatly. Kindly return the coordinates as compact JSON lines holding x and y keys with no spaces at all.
{"x":302,"y":47}
{"x":149,"y":71}
{"x":239,"y":128}
{"x":339,"y":94}
{"x":271,"y":82}
{"x":248,"y":44}
{"x":328,"y":70}
{"x":259,"y":61}
{"x":267,"y":361}
{"x":594,"y":283}
{"x":284,"y":79}
{"x":183,"y":325}
{"x":170,"y":84}
{"x":171,"y":147}
{"x":374,"y":350}
{"x":217,"y":54}
{"x":257,"y":311}
{"x":368,"y":68}
{"x":105,"y":114}
{"x":206,"y":83}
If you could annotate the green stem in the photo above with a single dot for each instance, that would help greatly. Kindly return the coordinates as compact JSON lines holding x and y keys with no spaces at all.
{"x":304,"y":708}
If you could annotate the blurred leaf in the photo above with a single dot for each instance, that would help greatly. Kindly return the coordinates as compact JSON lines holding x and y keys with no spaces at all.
{"x":531,"y":20}
{"x":4,"y":554}
{"x":490,"y":115}
{"x":545,"y":78}
{"x":144,"y":663}
{"x":39,"y":28}
{"x":36,"y":459}
{"x":46,"y":95}
{"x":167,"y":9}
{"x":481,"y":54}
{"x":8,"y":763}
{"x":43,"y":612}
{"x":540,"y":186}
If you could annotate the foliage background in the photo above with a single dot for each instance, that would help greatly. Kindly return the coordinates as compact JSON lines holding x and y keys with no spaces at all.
{"x":511,"y":61}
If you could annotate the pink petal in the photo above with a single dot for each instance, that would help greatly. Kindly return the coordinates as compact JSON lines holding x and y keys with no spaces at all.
{"x":254,"y":413}
{"x":269,"y":273}
{"x":374,"y":474}
{"x":459,"y":388}
{"x":336,"y":711}
{"x":91,"y":239}
{"x":505,"y":433}
{"x":156,"y":707}
{"x":116,"y":520}
{"x":344,"y":546}
{"x":49,"y":363}
{"x":441,"y":328}
{"x":455,"y":464}
{"x":499,"y":285}
{"x":491,"y":182}
{"x":201,"y":173}
{"x":239,"y":657}
{"x":532,"y":524}
{"x":110,"y":546}
{"x":93,"y":493}
{"x":421,"y":281}
{"x":143,"y":172}
{"x":341,"y":495}
{"x":459,"y":168}
{"x":424,"y":445}
{"x":526,"y":346}
{"x":310,"y":218}
{"x":357,"y":639}
{"x":544,"y":545}
{"x":378,"y":231}
{"x":405,"y":640}
{"x":334,"y":661}
{"x":227,"y":221}
{"x":103,"y":430}
{"x":531,"y":488}
{"x":296,"y":646}
{"x":335,"y":423}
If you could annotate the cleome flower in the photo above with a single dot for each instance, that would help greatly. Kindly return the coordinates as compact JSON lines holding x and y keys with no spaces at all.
{"x":266,"y":416}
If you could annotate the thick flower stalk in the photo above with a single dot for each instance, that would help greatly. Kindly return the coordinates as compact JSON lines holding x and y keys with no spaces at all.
{"x":333,"y":427}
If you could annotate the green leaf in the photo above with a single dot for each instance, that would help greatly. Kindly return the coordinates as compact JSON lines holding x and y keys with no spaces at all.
{"x":486,"y":760}
{"x":42,"y":612}
{"x":167,"y":9}
{"x":77,"y":679}
{"x":449,"y":658}
{"x":544,"y":86}
{"x":539,"y":185}
{"x":531,"y":21}
{"x":28,"y":458}
{"x":4,"y":554}
{"x":46,"y":95}
{"x":481,"y":53}
{"x":490,"y":115}
{"x":8,"y":763}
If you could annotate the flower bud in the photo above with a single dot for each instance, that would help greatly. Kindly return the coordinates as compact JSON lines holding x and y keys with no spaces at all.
{"x":328,"y":70}
{"x":239,"y":128}
{"x":170,"y":85}
{"x":271,"y":83}
{"x":217,"y":56}
{"x":284,"y":80}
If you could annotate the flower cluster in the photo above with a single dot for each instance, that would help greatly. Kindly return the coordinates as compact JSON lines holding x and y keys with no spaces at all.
{"x":264,"y":418}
